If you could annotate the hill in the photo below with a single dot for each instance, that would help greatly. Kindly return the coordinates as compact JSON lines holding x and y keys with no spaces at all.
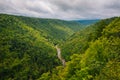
{"x":79,"y":41}
{"x":52,"y":29}
{"x":27,"y":45}
{"x":92,"y":54}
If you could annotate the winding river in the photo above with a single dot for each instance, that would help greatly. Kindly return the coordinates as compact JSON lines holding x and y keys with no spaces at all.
{"x":59,"y":55}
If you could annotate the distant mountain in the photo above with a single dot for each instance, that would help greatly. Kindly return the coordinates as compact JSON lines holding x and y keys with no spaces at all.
{"x":88,"y":22}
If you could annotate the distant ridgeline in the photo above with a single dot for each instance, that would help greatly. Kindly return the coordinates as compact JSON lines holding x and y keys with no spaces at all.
{"x":27,"y":45}
{"x":87,"y":22}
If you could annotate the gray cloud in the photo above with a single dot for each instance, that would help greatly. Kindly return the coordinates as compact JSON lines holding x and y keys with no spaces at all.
{"x":62,"y":9}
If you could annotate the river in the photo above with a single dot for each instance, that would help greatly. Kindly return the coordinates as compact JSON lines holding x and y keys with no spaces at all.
{"x":59,"y":55}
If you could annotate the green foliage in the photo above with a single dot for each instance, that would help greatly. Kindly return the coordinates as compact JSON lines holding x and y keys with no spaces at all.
{"x":27,"y":49}
{"x":100,"y":60}
{"x":24,"y":53}
{"x":79,"y":42}
{"x":52,"y":29}
{"x":111,"y":71}
{"x":27,"y":45}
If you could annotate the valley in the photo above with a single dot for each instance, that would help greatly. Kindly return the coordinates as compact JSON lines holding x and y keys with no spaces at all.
{"x":52,"y":49}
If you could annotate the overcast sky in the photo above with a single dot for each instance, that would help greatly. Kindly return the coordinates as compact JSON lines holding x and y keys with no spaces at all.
{"x":62,"y":9}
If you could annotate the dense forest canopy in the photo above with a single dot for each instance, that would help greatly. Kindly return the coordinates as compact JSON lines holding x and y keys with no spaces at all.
{"x":91,"y":54}
{"x":27,"y":49}
{"x":27,"y":45}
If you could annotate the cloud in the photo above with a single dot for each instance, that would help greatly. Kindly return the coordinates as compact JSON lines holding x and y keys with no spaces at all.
{"x":62,"y":9}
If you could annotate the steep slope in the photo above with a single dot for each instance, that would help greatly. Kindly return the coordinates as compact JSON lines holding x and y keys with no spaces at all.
{"x":27,"y":45}
{"x":100,"y":61}
{"x":24,"y":53}
{"x":52,"y":29}
{"x":79,"y":42}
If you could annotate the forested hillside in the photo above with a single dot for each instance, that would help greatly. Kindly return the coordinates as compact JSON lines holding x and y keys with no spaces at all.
{"x":92,"y":54}
{"x":27,"y":45}
{"x":28,"y":52}
{"x":52,"y":29}
{"x":79,"y":41}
